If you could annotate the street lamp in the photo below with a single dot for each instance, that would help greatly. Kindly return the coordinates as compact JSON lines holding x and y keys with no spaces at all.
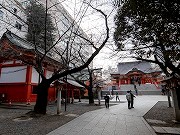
{"x":59,"y":89}
{"x":67,"y":65}
{"x":58,"y":85}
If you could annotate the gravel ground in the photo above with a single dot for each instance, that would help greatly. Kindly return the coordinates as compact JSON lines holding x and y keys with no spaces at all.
{"x":161,"y":115}
{"x":16,"y":120}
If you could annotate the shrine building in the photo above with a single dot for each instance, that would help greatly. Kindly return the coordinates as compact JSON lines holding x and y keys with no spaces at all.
{"x":137,"y":72}
{"x":18,"y":81}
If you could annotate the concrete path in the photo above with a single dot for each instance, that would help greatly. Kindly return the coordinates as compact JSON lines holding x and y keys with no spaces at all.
{"x":117,"y":120}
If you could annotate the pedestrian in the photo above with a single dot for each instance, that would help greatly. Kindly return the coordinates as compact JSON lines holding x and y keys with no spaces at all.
{"x":117,"y":97}
{"x":163,"y":90}
{"x":128,"y":97}
{"x":106,"y":101}
{"x":132,"y":99}
{"x":139,"y":81}
{"x":135,"y":88}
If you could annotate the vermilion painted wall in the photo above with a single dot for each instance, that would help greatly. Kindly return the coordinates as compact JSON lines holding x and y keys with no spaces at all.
{"x":52,"y":94}
{"x":14,"y":92}
{"x":22,"y":91}
{"x":19,"y":93}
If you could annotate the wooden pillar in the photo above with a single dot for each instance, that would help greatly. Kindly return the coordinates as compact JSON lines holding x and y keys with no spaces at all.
{"x":128,"y":80}
{"x":142,"y":81}
{"x":28,"y":83}
{"x":68,"y":95}
{"x":72,"y":96}
{"x":119,"y":83}
{"x":79,"y":95}
{"x":0,"y":69}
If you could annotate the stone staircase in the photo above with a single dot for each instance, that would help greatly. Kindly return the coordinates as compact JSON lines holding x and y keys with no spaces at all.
{"x":143,"y":89}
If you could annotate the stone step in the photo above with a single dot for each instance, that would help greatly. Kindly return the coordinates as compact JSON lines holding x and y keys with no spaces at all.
{"x":140,"y":92}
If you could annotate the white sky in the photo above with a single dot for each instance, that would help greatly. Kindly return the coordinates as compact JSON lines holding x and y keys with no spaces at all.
{"x":93,"y":24}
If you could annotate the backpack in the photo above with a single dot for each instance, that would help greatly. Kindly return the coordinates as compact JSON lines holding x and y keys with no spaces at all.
{"x":128,"y":96}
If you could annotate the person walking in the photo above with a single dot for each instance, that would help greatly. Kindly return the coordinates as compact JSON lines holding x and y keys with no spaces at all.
{"x":136,"y":90}
{"x":128,"y":97}
{"x":117,"y":97}
{"x":132,"y":99}
{"x":106,"y":101}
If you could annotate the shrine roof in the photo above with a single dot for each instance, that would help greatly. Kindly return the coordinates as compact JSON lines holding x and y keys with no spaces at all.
{"x":74,"y":83}
{"x":71,"y":82}
{"x":22,"y":43}
{"x":26,"y":46}
{"x":125,"y":67}
{"x":16,"y":40}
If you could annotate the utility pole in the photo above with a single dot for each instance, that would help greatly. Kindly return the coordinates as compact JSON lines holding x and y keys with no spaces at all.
{"x":67,"y":64}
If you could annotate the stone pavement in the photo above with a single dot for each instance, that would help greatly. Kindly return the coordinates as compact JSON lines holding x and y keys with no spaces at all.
{"x":117,"y":120}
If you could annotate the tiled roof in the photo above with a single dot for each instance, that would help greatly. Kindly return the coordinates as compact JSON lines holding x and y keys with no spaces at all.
{"x":16,"y":40}
{"x":26,"y":46}
{"x":125,"y":67}
{"x":21,"y":49}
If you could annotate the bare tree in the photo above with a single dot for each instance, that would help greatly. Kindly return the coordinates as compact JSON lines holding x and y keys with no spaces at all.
{"x":63,"y":57}
{"x":89,"y":75}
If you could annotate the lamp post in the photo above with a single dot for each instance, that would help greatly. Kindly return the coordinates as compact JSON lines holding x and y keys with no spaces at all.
{"x":67,"y":65}
{"x":59,"y":99}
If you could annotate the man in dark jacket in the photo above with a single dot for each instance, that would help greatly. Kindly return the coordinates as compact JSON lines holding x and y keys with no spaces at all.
{"x":132,"y":99}
{"x":106,"y":101}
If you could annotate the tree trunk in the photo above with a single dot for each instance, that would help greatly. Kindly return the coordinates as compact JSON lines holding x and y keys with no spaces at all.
{"x":99,"y":97}
{"x":176,"y":103}
{"x":169,"y":99}
{"x":42,"y":97}
{"x":91,"y":96}
{"x":90,"y":91}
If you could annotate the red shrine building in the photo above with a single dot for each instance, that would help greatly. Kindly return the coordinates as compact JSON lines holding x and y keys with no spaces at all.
{"x":137,"y":72}
{"x":18,"y":81}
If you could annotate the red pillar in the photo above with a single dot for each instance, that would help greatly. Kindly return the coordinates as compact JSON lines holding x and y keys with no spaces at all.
{"x":28,"y":82}
{"x":119,"y":82}
{"x":128,"y":80}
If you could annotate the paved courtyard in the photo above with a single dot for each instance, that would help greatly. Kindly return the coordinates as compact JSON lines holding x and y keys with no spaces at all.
{"x":117,"y":120}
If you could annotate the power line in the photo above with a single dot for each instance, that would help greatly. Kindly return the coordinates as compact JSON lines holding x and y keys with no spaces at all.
{"x":18,"y":70}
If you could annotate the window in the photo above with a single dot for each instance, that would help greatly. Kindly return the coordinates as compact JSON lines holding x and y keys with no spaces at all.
{"x":25,"y":3}
{"x":18,"y":26}
{"x":15,"y":10}
{"x":1,"y":14}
